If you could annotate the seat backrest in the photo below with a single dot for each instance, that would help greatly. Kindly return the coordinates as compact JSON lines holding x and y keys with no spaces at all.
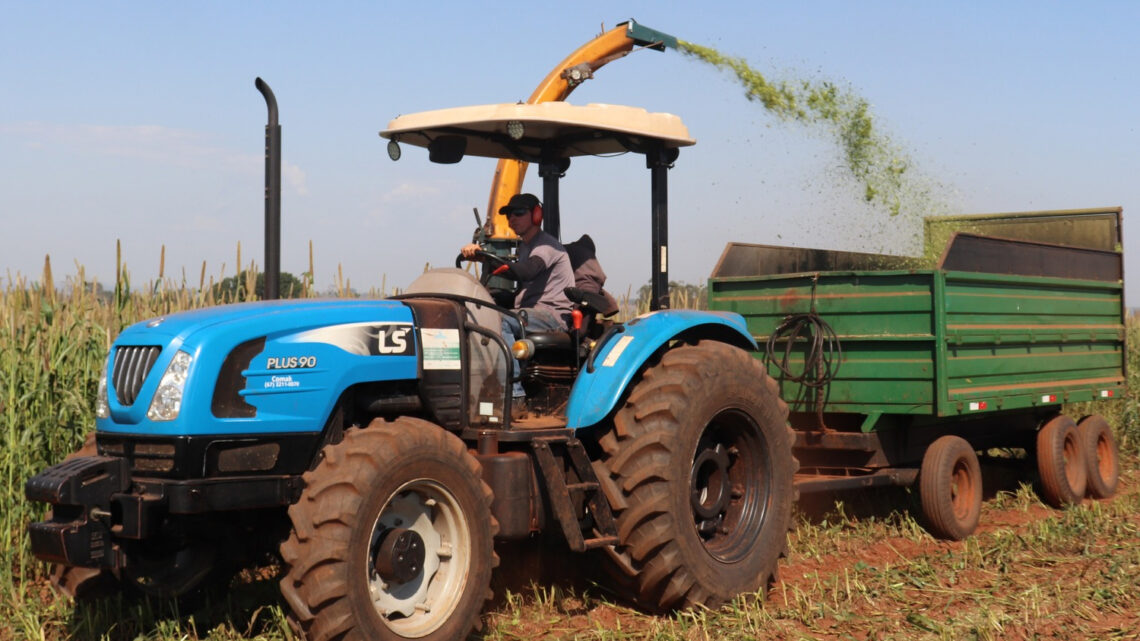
{"x":589,"y":279}
{"x":602,"y":303}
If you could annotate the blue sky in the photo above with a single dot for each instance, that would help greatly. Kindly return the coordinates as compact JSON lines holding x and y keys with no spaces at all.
{"x":140,"y":122}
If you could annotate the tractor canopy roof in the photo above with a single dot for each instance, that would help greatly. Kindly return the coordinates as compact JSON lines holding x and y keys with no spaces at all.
{"x":534,"y":132}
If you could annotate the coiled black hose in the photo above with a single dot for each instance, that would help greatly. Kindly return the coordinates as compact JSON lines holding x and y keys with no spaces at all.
{"x":823,"y":354}
{"x":821,"y":358}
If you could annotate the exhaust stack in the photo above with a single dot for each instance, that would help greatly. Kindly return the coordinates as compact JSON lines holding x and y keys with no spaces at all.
{"x":272,"y":194}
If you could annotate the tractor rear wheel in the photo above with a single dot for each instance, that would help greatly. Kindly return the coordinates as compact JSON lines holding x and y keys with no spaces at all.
{"x":1061,"y":462}
{"x":1102,"y":456}
{"x":950,"y":488}
{"x":392,"y":537}
{"x":701,"y":452}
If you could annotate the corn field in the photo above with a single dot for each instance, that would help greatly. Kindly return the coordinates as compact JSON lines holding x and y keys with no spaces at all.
{"x":53,"y":343}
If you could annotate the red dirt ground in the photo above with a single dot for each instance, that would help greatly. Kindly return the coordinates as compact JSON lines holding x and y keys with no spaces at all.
{"x":919,"y":613}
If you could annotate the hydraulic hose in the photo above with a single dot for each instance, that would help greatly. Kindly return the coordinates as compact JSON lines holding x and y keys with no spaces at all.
{"x":822,"y":355}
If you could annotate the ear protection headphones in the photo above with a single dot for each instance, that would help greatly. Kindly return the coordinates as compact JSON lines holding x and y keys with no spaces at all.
{"x":536,"y":215}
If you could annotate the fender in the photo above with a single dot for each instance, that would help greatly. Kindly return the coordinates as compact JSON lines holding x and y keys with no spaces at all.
{"x":621,"y":357}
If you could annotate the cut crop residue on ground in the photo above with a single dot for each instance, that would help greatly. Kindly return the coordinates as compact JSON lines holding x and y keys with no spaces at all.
{"x":1030,"y":572}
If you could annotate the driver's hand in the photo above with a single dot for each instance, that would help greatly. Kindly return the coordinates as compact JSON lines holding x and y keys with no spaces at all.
{"x":469,"y":250}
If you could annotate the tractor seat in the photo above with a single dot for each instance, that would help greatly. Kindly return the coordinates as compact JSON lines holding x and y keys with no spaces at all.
{"x":552,"y":340}
{"x":593,"y":303}
{"x":589,"y":273}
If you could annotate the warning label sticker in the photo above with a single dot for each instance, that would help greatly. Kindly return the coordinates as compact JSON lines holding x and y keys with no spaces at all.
{"x":441,"y":348}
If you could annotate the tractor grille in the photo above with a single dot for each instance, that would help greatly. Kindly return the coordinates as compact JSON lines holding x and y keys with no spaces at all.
{"x":131,"y":366}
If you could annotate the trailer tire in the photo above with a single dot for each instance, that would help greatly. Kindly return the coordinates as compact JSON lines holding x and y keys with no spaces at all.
{"x":950,"y":488}
{"x":701,"y":454}
{"x":1102,"y":456}
{"x":354,"y":571}
{"x":1061,"y":462}
{"x":81,"y":583}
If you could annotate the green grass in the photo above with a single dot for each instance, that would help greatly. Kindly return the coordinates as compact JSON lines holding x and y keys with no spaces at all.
{"x":854,"y":572}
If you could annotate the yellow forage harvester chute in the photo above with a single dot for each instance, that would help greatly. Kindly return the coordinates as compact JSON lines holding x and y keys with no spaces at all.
{"x":578,"y":67}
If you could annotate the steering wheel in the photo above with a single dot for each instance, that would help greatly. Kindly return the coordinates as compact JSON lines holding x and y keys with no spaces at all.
{"x":490,"y":263}
{"x":483,"y":257}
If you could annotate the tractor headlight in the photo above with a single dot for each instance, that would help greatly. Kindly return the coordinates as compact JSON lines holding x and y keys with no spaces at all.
{"x":102,"y":407}
{"x":167,"y":401}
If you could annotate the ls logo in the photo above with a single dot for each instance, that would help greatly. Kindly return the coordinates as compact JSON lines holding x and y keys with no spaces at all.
{"x":393,"y":340}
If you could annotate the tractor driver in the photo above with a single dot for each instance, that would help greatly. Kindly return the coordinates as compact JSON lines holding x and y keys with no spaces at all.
{"x":542,"y":270}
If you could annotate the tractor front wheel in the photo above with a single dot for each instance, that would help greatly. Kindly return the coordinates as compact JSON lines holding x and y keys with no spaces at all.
{"x":701,"y":452}
{"x":392,"y":537}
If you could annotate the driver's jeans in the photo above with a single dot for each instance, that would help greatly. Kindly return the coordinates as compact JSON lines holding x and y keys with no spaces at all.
{"x":537,"y":320}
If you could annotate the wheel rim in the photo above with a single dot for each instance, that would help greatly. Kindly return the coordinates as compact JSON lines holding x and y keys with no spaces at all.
{"x":730,"y":485}
{"x":1072,"y":453}
{"x":423,"y":511}
{"x":961,"y":490}
{"x":1105,"y":457}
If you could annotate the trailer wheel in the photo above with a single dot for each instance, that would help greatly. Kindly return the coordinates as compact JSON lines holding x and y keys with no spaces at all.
{"x":950,"y":488}
{"x":392,"y":537}
{"x":80,"y":583}
{"x":1061,"y":462}
{"x":1101,"y":455}
{"x":701,"y":452}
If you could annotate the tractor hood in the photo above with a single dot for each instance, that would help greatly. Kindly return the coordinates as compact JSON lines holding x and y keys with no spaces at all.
{"x":256,"y":367}
{"x":262,"y":318}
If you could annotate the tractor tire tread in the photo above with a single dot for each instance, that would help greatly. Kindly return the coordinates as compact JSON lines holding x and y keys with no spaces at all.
{"x":641,"y":455}
{"x":315,"y":554}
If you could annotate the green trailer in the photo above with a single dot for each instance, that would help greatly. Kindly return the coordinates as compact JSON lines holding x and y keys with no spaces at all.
{"x":899,"y":370}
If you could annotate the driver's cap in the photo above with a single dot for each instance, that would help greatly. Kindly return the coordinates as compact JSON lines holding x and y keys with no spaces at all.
{"x":524,"y":202}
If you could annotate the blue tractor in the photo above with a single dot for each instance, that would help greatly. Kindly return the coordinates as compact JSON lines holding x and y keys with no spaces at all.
{"x":371,"y":443}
